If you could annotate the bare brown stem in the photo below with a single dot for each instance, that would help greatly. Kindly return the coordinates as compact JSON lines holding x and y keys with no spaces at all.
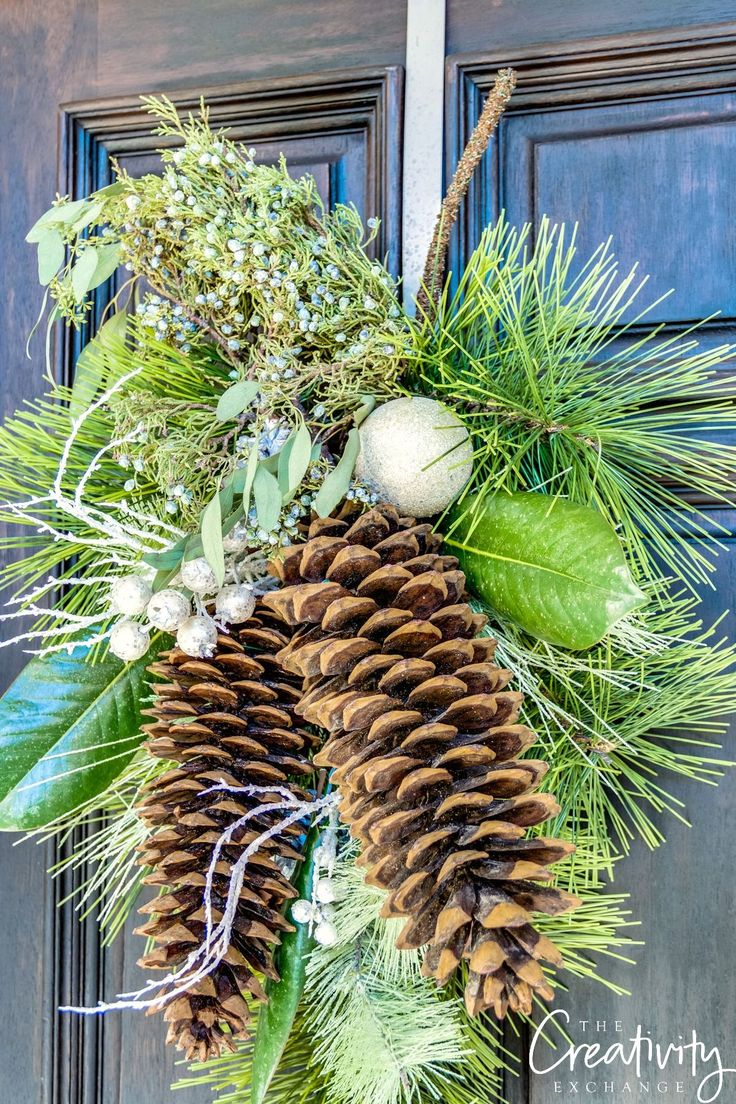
{"x":434,"y":268}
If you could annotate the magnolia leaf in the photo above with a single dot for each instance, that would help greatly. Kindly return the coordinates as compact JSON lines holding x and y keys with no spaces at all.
{"x":91,"y":367}
{"x":276,"y":1018}
{"x":212,"y":538}
{"x":51,"y":252}
{"x":337,"y":482}
{"x":235,"y":400}
{"x":83,"y":271}
{"x":554,"y":567}
{"x":67,"y":729}
{"x":267,"y":494}
{"x":299,"y":458}
{"x":109,"y":257}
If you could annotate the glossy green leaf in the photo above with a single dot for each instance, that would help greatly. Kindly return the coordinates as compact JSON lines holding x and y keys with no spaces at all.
{"x":267,"y":494}
{"x":276,"y":1018}
{"x":67,"y":729}
{"x":554,"y":567}
{"x":51,"y":253}
{"x":337,"y":482}
{"x":234,"y":401}
{"x":83,"y":271}
{"x":90,"y":371}
{"x":212,"y":537}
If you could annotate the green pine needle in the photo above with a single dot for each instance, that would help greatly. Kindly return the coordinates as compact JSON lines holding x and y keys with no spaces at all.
{"x":614,"y":723}
{"x":548,"y":363}
{"x":101,"y":838}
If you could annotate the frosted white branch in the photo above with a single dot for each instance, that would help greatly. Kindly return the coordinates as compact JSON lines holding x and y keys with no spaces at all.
{"x":217,"y":938}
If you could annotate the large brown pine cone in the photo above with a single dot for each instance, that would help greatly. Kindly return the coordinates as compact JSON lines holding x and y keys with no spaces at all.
{"x":229,"y":718}
{"x":424,"y":738}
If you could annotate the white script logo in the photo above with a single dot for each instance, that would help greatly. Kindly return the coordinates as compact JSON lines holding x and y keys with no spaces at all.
{"x":638,"y":1053}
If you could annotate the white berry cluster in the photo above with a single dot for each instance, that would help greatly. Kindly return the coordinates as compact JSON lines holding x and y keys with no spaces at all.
{"x":319,"y":913}
{"x":170,"y":610}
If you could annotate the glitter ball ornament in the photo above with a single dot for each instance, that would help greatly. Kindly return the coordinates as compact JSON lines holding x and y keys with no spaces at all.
{"x":129,"y":641}
{"x":197,"y":636}
{"x":129,"y":595}
{"x":416,"y":454}
{"x":198,"y":576}
{"x":235,"y":604}
{"x":168,"y":609}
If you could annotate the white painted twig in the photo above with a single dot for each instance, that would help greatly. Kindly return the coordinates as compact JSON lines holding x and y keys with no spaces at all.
{"x":217,"y":938}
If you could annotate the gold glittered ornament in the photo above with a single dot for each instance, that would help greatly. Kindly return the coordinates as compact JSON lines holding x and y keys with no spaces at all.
{"x":416,"y":453}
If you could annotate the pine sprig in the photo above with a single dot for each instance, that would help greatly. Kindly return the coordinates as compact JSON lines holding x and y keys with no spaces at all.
{"x":617,"y":722}
{"x":545,"y":360}
{"x":72,"y":557}
{"x":100,"y":839}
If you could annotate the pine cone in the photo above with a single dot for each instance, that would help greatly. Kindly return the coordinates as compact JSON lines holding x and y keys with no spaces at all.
{"x":226,"y":719}
{"x":424,"y":739}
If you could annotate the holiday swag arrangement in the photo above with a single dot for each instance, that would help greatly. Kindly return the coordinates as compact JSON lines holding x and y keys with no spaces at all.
{"x":368,"y":640}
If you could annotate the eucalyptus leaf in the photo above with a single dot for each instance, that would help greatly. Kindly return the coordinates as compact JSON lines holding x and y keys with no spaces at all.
{"x":368,"y":405}
{"x":116,"y":188}
{"x":267,"y":494}
{"x":109,"y":257}
{"x":90,"y":369}
{"x":62,"y":214}
{"x":92,"y":211}
{"x":42,"y":225}
{"x":235,"y":400}
{"x":300,"y":456}
{"x":83,"y":272}
{"x":276,"y":1018}
{"x":282,"y":468}
{"x":193,"y":547}
{"x":51,"y":253}
{"x":554,"y":567}
{"x":212,"y":538}
{"x":170,"y":558}
{"x":337,"y":482}
{"x":250,"y":473}
{"x":67,"y":729}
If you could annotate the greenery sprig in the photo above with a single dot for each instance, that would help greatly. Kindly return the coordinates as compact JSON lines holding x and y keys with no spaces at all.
{"x":545,"y":358}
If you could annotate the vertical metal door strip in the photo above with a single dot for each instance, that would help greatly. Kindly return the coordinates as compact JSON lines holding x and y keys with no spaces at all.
{"x":423,"y":130}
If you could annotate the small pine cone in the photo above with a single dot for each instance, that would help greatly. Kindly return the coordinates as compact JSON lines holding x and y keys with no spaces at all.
{"x":225,"y":719}
{"x":424,"y":740}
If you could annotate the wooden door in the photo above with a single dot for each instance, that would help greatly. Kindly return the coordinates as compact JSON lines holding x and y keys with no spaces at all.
{"x":624,"y":120}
